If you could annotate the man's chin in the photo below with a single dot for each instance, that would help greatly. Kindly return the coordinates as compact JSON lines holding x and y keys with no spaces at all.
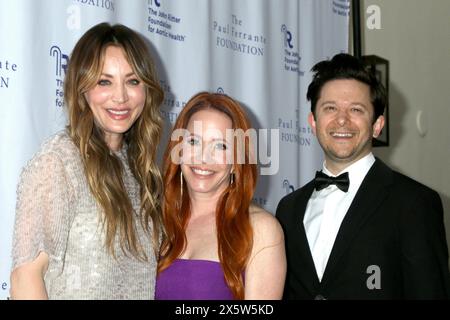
{"x":347,"y":157}
{"x":342,"y":157}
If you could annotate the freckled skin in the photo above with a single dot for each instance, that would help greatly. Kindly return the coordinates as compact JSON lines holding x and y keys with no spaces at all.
{"x":205,"y":151}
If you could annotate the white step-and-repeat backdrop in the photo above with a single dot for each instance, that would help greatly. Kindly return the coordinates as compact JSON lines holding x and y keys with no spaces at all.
{"x":258,"y":51}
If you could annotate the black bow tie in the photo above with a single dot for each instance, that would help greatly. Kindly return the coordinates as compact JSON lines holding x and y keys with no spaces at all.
{"x":322,"y":181}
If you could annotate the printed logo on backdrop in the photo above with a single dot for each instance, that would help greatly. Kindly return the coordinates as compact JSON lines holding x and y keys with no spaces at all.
{"x":235,"y":35}
{"x":61,"y":61}
{"x":291,"y":56}
{"x":220,"y":90}
{"x":294,"y":132}
{"x":164,"y":23}
{"x":287,"y":186}
{"x":341,"y":7}
{"x":104,"y":4}
{"x":4,"y":286}
{"x":171,"y":106}
{"x":7,"y":70}
{"x":260,"y":201}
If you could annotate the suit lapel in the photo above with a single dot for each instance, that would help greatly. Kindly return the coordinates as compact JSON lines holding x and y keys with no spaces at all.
{"x":309,"y":278}
{"x":368,"y":198}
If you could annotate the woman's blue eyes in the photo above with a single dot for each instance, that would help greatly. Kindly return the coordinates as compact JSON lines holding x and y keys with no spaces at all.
{"x":134,"y":82}
{"x":193,"y":141}
{"x":221,"y":146}
{"x":196,"y":142}
{"x":105,"y":82}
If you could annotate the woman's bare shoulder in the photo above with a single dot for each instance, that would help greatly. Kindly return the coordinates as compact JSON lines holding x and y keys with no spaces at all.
{"x":264,"y":223}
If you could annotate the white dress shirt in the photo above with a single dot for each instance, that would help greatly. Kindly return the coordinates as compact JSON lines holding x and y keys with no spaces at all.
{"x":327,"y":208}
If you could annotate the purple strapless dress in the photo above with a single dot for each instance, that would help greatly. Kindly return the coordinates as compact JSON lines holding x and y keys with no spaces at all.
{"x":190,"y":279}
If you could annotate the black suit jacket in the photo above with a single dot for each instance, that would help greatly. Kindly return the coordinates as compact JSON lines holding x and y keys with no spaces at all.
{"x":394,"y":224}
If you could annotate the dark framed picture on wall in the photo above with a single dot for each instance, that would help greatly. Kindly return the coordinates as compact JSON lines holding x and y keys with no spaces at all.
{"x":380,"y":67}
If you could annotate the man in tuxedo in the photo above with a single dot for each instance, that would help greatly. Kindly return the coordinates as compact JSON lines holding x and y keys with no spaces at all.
{"x":359,"y":230}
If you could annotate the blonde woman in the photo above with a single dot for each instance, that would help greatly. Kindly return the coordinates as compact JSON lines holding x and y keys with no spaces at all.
{"x":88,"y":208}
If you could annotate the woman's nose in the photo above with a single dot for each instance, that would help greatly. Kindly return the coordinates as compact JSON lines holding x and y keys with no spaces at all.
{"x":120,"y":94}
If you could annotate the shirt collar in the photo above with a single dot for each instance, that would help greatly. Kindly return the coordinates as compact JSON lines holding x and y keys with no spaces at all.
{"x":356,"y":171}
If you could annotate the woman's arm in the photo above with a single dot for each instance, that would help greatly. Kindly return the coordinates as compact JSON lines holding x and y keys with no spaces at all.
{"x":266,"y":269}
{"x":27,"y":280}
{"x":42,"y":224}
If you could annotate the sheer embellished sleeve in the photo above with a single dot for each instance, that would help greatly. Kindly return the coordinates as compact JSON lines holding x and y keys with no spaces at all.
{"x":43,"y":214}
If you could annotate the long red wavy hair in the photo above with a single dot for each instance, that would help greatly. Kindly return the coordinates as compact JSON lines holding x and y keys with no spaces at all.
{"x":234,"y":231}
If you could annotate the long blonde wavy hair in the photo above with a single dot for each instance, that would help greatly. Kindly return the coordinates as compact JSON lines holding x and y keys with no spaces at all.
{"x":102,"y":168}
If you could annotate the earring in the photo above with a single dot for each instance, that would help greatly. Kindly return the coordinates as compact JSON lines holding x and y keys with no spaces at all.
{"x":181,"y":185}
{"x":231,"y":178}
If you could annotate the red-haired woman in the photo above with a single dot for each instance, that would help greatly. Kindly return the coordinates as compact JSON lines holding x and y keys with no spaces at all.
{"x":218,"y":245}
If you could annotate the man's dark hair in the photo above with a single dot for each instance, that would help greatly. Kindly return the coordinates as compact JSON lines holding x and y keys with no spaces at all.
{"x":345,"y":66}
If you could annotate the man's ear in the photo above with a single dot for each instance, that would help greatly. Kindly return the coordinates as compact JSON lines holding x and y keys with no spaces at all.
{"x":312,"y":122}
{"x":378,"y":126}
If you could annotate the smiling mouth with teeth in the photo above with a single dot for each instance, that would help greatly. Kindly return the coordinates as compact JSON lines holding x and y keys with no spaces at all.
{"x":202,"y":172}
{"x":118,"y":112}
{"x":342,"y":134}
